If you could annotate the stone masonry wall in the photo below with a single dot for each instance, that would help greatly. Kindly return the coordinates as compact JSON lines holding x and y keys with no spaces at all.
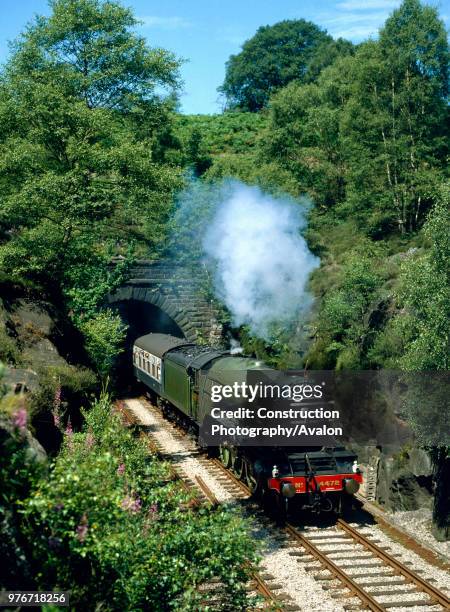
{"x":179,"y":293}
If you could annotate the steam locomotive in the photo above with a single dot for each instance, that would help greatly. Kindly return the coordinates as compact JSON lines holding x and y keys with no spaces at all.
{"x":181,"y":374}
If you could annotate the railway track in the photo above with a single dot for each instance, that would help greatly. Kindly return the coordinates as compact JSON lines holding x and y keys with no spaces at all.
{"x":202,"y":494}
{"x":346,"y":540}
{"x":348,"y":564}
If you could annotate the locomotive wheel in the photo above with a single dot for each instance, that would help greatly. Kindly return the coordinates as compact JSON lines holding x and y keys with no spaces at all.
{"x":239,"y":467}
{"x":225,"y":455}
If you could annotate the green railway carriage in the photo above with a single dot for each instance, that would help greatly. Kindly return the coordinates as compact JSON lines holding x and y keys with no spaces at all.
{"x":182,"y":373}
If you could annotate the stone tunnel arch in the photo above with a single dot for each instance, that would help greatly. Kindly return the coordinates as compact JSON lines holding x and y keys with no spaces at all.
{"x":164,"y":298}
{"x":143,"y":316}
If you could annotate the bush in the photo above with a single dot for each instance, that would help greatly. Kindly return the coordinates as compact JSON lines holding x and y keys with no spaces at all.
{"x":9,"y":351}
{"x":110,"y":525}
{"x":104,"y":334}
{"x":62,"y":389}
{"x":22,"y":465}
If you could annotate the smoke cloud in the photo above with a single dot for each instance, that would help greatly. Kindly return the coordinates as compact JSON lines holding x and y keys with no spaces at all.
{"x":262,"y":261}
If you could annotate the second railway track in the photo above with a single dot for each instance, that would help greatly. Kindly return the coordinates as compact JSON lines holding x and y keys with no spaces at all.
{"x":351,"y":567}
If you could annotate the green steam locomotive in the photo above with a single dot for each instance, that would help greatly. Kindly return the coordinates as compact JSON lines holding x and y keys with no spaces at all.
{"x":181,"y":375}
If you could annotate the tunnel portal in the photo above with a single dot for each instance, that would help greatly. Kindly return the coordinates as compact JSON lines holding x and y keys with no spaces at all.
{"x":165,"y":298}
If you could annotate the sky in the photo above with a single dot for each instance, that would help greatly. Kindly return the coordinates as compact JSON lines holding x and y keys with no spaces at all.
{"x":206,"y":32}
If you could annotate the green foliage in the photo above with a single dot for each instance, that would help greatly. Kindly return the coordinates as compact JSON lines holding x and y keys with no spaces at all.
{"x":73,"y":386}
{"x":112,"y":526}
{"x":90,"y":280}
{"x":425,"y":295}
{"x":305,"y":136}
{"x":232,"y":132}
{"x":9,"y":351}
{"x":343,"y":329}
{"x":21,"y":468}
{"x":272,"y":58}
{"x":104,"y":334}
{"x":395,"y":120}
{"x":369,"y":136}
{"x":85,"y":116}
{"x":90,"y":46}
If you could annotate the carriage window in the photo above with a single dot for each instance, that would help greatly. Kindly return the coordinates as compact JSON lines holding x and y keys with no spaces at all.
{"x":148,"y":363}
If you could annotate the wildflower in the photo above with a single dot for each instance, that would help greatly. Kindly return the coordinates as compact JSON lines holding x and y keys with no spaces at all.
{"x":69,"y":430}
{"x":57,"y":399}
{"x":153,"y":512}
{"x":69,"y":434}
{"x":20,"y":419}
{"x":90,"y":440}
{"x":131,"y":504}
{"x":56,"y":419}
{"x":82,"y":529}
{"x":121,"y":469}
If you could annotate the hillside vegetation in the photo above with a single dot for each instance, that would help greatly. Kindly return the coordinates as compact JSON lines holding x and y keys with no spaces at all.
{"x":93,"y":152}
{"x":366,"y":139}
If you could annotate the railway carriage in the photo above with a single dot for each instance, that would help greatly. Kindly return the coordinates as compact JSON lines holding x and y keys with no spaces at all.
{"x":181,"y":374}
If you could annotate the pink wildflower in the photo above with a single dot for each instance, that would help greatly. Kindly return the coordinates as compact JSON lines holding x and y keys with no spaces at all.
{"x":132,"y":504}
{"x":69,"y":430}
{"x":69,"y":434}
{"x":90,"y":440}
{"x":153,"y":512}
{"x":121,"y":469}
{"x":20,"y":419}
{"x":57,"y":399}
{"x":56,"y":419}
{"x":82,"y":529}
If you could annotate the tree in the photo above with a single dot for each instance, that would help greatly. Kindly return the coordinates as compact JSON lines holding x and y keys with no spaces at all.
{"x":425,"y":295}
{"x":304,"y":134}
{"x":89,"y":46}
{"x":343,"y":328}
{"x":369,"y":136}
{"x":426,"y":299}
{"x":82,"y":106}
{"x":269,"y":60}
{"x":396,"y":121}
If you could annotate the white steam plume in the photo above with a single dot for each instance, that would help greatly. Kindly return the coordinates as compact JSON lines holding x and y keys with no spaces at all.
{"x":263,"y":263}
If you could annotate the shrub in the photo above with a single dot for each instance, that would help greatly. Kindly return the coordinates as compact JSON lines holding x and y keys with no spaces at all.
{"x":110,"y":525}
{"x":104,"y":334}
{"x":62,"y":389}
{"x":9,"y":351}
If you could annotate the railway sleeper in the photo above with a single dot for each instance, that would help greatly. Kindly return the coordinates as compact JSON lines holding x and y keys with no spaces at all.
{"x":337,"y":551}
{"x":374,"y":563}
{"x":331,"y":537}
{"x":346,"y":558}
{"x":395,"y":582}
{"x":387,"y":593}
{"x":409,"y":603}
